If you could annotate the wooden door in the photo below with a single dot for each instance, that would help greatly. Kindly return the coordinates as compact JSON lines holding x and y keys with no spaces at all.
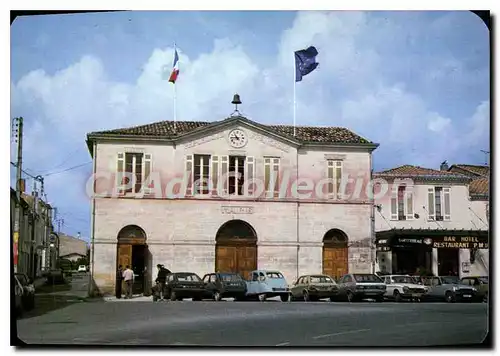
{"x":247,"y":260}
{"x":124,"y":255}
{"x":335,"y":263}
{"x":225,"y":258}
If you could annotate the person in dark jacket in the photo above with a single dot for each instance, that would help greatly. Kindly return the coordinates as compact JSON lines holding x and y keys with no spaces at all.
{"x":119,"y":279}
{"x":162,"y":278}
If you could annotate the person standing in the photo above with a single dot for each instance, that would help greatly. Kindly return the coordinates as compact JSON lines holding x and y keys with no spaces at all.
{"x":161,"y":279}
{"x":128,"y":277}
{"x":119,"y":279}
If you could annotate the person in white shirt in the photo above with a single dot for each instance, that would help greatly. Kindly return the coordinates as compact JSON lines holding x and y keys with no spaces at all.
{"x":128,"y":277}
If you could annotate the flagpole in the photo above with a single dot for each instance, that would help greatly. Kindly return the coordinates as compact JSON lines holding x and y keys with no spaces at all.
{"x":294,"y":96}
{"x":175,"y":97}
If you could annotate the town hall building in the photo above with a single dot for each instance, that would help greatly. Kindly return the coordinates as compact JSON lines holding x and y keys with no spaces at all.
{"x":231,"y":196}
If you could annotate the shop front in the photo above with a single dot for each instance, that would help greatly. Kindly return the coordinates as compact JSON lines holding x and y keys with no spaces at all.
{"x":440,"y":252}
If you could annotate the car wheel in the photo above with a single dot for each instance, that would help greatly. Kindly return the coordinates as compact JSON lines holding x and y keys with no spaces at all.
{"x":173,"y":297}
{"x":284,"y":297}
{"x":397,"y":296}
{"x":262,"y":297}
{"x":306,"y":296}
{"x":449,"y":297}
{"x":217,"y":296}
{"x":350,"y":297}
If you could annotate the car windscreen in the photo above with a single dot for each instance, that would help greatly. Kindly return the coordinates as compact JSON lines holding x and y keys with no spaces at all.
{"x":276,"y":275}
{"x":450,"y":280}
{"x":402,"y":279}
{"x":484,"y":279}
{"x":230,"y":277}
{"x":188,"y":278}
{"x":321,"y":279}
{"x":367,"y":278}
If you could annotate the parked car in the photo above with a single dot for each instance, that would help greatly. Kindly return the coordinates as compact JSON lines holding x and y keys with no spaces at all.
{"x":314,"y":287}
{"x":82,"y":268}
{"x":28,"y":291}
{"x":267,"y":284}
{"x":225,"y":285}
{"x":182,"y":285}
{"x":481,"y":283}
{"x":358,"y":286}
{"x":401,"y":287}
{"x":448,"y":288}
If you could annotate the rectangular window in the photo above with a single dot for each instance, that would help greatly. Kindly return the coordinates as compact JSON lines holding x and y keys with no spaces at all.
{"x":236,"y":174}
{"x":401,"y":203}
{"x":271,"y":176}
{"x":334,"y":175}
{"x":439,"y":203}
{"x":189,"y":175}
{"x":201,"y":174}
{"x":131,"y":164}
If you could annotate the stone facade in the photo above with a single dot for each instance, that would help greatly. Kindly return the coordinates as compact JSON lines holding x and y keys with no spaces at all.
{"x":181,"y":232}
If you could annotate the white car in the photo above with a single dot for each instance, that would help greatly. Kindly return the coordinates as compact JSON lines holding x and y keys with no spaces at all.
{"x":401,"y":287}
{"x":82,"y":268}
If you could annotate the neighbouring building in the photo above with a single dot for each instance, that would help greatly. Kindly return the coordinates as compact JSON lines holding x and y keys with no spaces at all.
{"x":248,"y":216}
{"x":71,"y":248}
{"x":31,"y":249}
{"x":431,"y":220}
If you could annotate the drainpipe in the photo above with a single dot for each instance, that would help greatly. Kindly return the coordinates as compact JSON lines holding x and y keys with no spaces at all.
{"x":92,"y":223}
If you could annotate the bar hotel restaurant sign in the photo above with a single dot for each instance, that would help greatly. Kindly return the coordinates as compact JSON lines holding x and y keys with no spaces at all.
{"x":469,"y":242}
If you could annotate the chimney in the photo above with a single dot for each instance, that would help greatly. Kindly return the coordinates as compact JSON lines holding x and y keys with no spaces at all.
{"x":444,"y":166}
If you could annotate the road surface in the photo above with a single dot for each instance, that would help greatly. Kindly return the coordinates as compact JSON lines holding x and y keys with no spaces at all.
{"x":271,"y":323}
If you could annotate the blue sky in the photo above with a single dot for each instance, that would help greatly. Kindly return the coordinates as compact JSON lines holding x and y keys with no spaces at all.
{"x":415,"y":82}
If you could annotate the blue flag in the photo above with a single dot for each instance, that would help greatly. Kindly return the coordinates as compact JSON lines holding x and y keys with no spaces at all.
{"x":305,"y":62}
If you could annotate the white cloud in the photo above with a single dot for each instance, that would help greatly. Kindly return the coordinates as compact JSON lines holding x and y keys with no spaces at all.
{"x":438,"y":123}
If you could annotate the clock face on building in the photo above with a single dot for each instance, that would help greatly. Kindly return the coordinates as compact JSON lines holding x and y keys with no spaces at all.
{"x":237,"y":138}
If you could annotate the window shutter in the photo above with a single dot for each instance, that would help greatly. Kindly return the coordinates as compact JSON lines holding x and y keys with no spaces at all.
{"x":120,"y":168}
{"x":214,"y":172}
{"x":447,"y":205}
{"x":276,"y":176}
{"x":146,"y":172}
{"x":409,"y":205}
{"x":249,"y":175}
{"x":330,"y":175}
{"x":338,"y":178}
{"x":394,"y":203}
{"x":267,"y":175}
{"x":189,"y":175}
{"x":224,"y":173}
{"x":431,"y":210}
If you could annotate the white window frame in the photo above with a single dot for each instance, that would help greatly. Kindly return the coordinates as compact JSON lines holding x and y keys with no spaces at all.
{"x":272,"y":163}
{"x":249,"y":175}
{"x":331,"y":174}
{"x":236,"y":170}
{"x":406,"y":196}
{"x":199,"y":192}
{"x":445,"y":192}
{"x":122,"y":157}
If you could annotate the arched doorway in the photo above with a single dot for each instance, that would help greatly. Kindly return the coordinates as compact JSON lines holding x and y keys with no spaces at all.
{"x":132,"y":251}
{"x":236,"y":248}
{"x":335,"y":253}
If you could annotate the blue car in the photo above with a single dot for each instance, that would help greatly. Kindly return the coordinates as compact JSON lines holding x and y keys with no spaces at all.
{"x":265,"y":284}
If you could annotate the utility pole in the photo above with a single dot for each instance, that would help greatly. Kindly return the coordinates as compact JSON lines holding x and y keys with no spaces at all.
{"x":18,"y":132}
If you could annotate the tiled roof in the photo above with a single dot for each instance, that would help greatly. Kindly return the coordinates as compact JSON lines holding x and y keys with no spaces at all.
{"x":165,"y":129}
{"x":414,"y":171}
{"x":479,"y":186}
{"x":474,"y":170}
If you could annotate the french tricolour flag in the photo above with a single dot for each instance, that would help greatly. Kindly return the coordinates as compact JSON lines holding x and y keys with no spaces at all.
{"x":175,"y":69}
